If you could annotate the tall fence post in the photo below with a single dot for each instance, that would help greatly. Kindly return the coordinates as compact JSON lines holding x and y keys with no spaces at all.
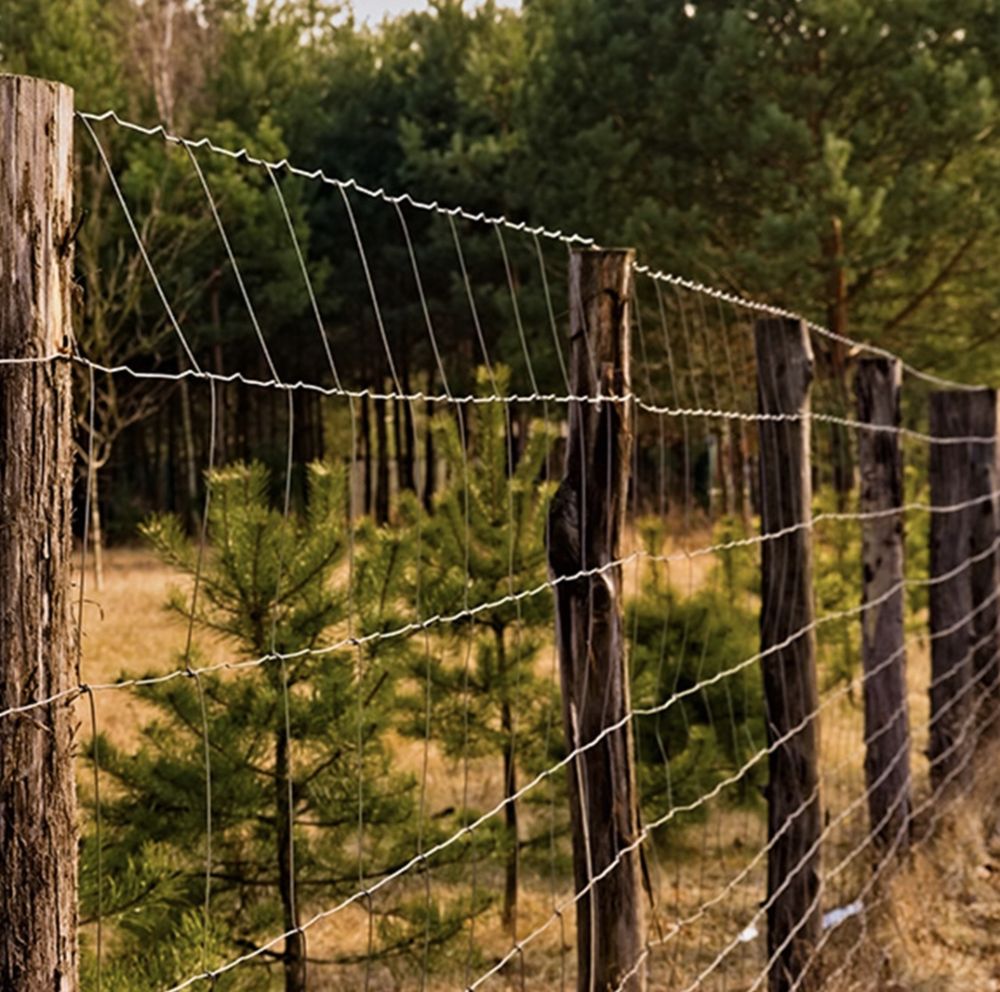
{"x":985,"y":574}
{"x":38,"y":837}
{"x":963,"y":611}
{"x":784,"y":375}
{"x":586,"y":520}
{"x":887,"y":731}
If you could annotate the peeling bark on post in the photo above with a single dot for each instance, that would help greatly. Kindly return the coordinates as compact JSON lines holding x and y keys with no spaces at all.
{"x":887,"y":729}
{"x":585,"y":526}
{"x":784,"y":375}
{"x":38,"y":837}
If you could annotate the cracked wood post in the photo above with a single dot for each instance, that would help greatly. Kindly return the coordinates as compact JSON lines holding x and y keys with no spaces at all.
{"x":586,"y":520}
{"x":784,"y":374}
{"x":963,"y":610}
{"x":38,"y":838}
{"x":887,"y":730}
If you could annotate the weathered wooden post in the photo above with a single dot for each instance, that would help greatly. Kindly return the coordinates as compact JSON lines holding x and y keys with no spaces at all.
{"x":985,"y":531}
{"x":38,"y":839}
{"x":585,"y":526}
{"x":784,"y":375}
{"x":963,"y":612}
{"x":883,"y":654}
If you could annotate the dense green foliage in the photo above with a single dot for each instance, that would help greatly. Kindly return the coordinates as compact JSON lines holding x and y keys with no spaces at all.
{"x":840,"y":158}
{"x":294,"y":737}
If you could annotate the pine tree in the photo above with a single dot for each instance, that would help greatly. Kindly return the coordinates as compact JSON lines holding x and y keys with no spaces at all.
{"x":485,"y":544}
{"x":295,"y":739}
{"x":677,"y":642}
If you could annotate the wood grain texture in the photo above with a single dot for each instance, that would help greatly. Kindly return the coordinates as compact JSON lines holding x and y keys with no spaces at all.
{"x":585,"y":526}
{"x":887,"y":730}
{"x":784,"y":375}
{"x":985,"y":574}
{"x":963,"y":614}
{"x":38,"y":837}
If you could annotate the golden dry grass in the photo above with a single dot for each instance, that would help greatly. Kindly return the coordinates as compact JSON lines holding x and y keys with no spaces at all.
{"x":935,"y":923}
{"x":127,"y":632}
{"x":707,"y":874}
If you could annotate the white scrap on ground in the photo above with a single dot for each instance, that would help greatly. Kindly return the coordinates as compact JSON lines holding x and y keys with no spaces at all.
{"x":831,"y":919}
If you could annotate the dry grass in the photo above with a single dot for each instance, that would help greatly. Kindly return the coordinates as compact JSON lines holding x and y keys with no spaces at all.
{"x":936,"y":924}
{"x":949,"y":942}
{"x":126,"y":631}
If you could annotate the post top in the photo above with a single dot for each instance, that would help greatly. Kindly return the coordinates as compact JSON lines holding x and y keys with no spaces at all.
{"x":595,"y":250}
{"x":20,"y":79}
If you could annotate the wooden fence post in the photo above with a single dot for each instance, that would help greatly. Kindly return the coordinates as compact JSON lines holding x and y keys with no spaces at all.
{"x":887,"y":730}
{"x":985,"y":532}
{"x":963,"y":612}
{"x":784,"y":374}
{"x":585,"y":525}
{"x":38,"y":837}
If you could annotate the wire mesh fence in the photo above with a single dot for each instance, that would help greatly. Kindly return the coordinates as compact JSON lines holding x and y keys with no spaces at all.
{"x":462,"y":519}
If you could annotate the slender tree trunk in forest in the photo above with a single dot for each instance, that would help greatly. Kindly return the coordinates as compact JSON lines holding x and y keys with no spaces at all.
{"x":171,"y":462}
{"x":243,"y":423}
{"x":38,"y":816}
{"x":382,"y":466}
{"x":366,"y":443}
{"x":158,"y":461}
{"x":397,"y":439}
{"x":746,"y":477}
{"x":96,"y":535}
{"x":725,"y":442}
{"x":190,"y":456}
{"x":509,"y":789}
{"x":319,"y":435}
{"x":295,"y":944}
{"x":406,"y":438}
{"x":430,"y":470}
{"x":304,"y":435}
{"x":842,"y":458}
{"x":222,"y":436}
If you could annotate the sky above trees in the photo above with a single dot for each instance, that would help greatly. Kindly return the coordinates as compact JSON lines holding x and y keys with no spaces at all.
{"x":374,"y":11}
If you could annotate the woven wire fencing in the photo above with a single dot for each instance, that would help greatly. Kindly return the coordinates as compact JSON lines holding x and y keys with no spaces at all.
{"x":534,"y":618}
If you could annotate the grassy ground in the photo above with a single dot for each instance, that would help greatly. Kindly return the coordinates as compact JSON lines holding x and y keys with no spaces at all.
{"x":935,"y":924}
{"x":707,"y":876}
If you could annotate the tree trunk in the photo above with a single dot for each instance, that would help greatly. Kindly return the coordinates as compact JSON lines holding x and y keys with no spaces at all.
{"x":366,"y":442}
{"x":38,"y":832}
{"x":382,"y":465}
{"x":319,"y":434}
{"x":841,"y":457}
{"x":96,"y":534}
{"x":190,"y":456}
{"x":405,"y":438}
{"x":509,"y":789}
{"x":430,"y":468}
{"x":295,"y":944}
{"x":222,"y":436}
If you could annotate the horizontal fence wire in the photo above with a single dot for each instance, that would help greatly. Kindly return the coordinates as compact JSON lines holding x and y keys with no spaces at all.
{"x":692,"y":549}
{"x":553,"y":583}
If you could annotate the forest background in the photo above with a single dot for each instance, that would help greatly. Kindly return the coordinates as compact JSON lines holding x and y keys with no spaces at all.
{"x":839,"y":158}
